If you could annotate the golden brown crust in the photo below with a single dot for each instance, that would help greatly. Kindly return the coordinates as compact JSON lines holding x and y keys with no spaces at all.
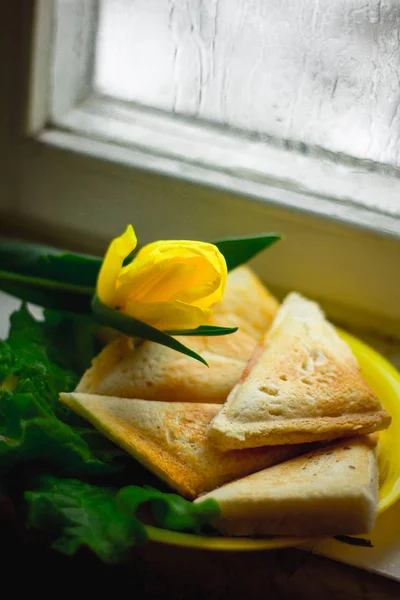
{"x":328,"y":491}
{"x":298,"y":431}
{"x":153,"y":372}
{"x":170,"y":440}
{"x":302,"y":384}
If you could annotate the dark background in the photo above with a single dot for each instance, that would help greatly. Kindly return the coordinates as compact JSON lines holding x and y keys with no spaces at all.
{"x":28,"y":566}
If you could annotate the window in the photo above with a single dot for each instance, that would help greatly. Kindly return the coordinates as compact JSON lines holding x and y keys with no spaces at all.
{"x":324,"y":75}
{"x":221,"y":117}
{"x":267,"y":91}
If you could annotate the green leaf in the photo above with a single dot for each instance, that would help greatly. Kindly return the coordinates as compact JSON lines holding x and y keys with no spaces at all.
{"x":47,"y":298}
{"x":41,"y":442}
{"x":61,"y":347}
{"x":45,"y":262}
{"x":104,"y":449}
{"x":32,"y":434}
{"x":354,"y":541}
{"x":75,"y":514}
{"x":169,"y":510}
{"x":239,"y":250}
{"x":32,"y":353}
{"x":34,"y":426}
{"x":209,"y":330}
{"x":78,"y":335}
{"x":47,"y":276}
{"x":47,"y":292}
{"x":130,"y":326}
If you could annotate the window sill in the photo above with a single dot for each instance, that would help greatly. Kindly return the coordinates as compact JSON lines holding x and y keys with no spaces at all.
{"x":81,"y":191}
{"x":348,"y":192}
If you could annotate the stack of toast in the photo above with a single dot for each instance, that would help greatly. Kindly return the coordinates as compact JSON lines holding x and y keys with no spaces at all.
{"x":279,"y":429}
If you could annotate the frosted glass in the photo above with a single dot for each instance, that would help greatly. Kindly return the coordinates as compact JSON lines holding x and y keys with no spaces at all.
{"x":322,"y":73}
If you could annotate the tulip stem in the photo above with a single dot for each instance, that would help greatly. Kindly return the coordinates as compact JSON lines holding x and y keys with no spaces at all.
{"x":40,"y":282}
{"x":134,"y":328}
{"x":203,"y":330}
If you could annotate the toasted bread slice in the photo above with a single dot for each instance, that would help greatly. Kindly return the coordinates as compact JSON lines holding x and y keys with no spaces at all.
{"x":169,"y":439}
{"x":130,"y":369}
{"x":329,"y":491}
{"x":302,"y":384}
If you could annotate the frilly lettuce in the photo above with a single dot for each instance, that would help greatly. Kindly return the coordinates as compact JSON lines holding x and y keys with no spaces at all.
{"x":58,"y":465}
{"x":74,"y":514}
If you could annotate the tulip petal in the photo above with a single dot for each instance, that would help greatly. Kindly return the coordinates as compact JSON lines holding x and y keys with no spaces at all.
{"x":169,"y":284}
{"x":191,"y":272}
{"x":209,"y":292}
{"x":117,"y":251}
{"x":155,"y":278}
{"x":171,"y":315}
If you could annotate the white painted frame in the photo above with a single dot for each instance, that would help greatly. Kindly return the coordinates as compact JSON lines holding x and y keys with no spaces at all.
{"x":89,"y":164}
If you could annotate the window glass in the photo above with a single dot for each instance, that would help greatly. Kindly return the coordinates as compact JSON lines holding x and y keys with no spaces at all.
{"x":322,"y":73}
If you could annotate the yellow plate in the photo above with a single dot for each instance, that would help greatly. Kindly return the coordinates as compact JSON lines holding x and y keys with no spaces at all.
{"x":385,"y":381}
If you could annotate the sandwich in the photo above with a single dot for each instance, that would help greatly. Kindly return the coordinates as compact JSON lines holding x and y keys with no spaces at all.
{"x":302,"y":384}
{"x":129,"y":368}
{"x":329,"y":491}
{"x":169,"y":439}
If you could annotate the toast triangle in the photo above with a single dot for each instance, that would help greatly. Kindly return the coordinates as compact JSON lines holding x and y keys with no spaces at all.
{"x":303,"y":384}
{"x":149,"y":371}
{"x":169,"y":439}
{"x":330,"y":491}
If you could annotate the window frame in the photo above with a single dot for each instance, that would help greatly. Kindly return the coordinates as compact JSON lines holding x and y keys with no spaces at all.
{"x":314,"y":182}
{"x":76,"y":154}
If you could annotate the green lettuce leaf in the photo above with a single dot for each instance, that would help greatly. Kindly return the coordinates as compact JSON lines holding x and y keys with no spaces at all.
{"x":74,"y":514}
{"x":62,"y":345}
{"x":72,"y":339}
{"x":43,"y":444}
{"x":28,"y":354}
{"x":30,"y":433}
{"x":34,"y":368}
{"x":170,"y":511}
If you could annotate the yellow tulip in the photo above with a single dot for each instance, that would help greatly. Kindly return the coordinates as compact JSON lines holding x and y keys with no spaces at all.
{"x":169,"y":284}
